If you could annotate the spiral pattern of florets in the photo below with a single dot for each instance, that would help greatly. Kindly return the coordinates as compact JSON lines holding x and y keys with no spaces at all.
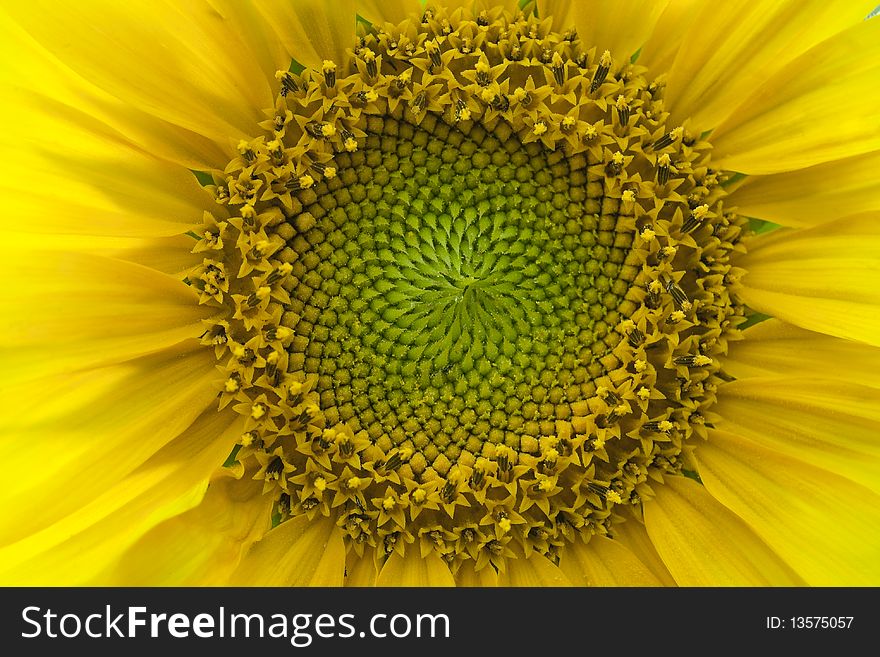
{"x":474,"y":289}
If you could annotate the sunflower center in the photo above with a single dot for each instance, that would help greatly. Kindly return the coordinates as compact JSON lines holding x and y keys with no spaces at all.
{"x":457,"y":283}
{"x":474,"y":289}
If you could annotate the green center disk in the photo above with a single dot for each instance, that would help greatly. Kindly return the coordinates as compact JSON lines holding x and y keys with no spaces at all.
{"x":455,"y":289}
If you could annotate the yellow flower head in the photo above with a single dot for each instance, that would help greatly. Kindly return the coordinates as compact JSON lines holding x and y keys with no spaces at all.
{"x":479,"y":295}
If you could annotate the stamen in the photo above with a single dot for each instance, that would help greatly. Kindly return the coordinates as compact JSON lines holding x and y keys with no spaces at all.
{"x":601,"y":72}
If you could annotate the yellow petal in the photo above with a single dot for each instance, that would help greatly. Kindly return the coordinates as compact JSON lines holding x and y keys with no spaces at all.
{"x":79,"y":433}
{"x":172,"y":60}
{"x":414,"y":570}
{"x":621,"y":27}
{"x":83,"y":176}
{"x":775,"y":348}
{"x":169,"y":255}
{"x":822,"y":525}
{"x":467,"y":576}
{"x":248,"y":32}
{"x":734,"y":46}
{"x":38,"y":88}
{"x":204,"y":545}
{"x":479,"y":5}
{"x":537,"y":570}
{"x":815,"y":195}
{"x":703,"y":543}
{"x":67,"y":311}
{"x":660,"y":48}
{"x":360,"y":571}
{"x":830,"y":424}
{"x":299,"y":552}
{"x":825,"y":279}
{"x":819,"y":108}
{"x":310,"y":33}
{"x":388,"y":11}
{"x":92,"y":545}
{"x":604,"y":562}
{"x":633,"y":536}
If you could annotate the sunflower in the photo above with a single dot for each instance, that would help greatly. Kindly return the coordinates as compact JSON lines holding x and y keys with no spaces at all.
{"x":575,"y":293}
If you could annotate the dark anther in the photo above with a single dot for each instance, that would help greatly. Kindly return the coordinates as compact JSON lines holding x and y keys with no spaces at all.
{"x":635,"y":338}
{"x":346,"y":448}
{"x":419,"y":102}
{"x":477,"y":479}
{"x":691,"y":224}
{"x":500,"y":103}
{"x":293,"y":184}
{"x":315,"y":129}
{"x":610,"y":397}
{"x":663,"y":142}
{"x":434,"y":54}
{"x":677,"y":293}
{"x":599,"y":77}
{"x":288,"y":84}
{"x":559,"y":74}
{"x":663,"y":174}
{"x":275,"y":466}
{"x":346,"y":134}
